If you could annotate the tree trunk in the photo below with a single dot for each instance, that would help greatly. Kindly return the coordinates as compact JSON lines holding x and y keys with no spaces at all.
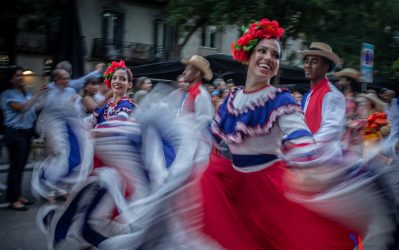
{"x":176,"y":54}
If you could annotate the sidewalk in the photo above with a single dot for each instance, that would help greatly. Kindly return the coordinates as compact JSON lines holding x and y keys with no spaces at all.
{"x":28,"y":167}
{"x":26,"y":182}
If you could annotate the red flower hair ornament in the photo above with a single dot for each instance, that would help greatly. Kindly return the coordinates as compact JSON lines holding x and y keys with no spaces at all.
{"x":252,"y":35}
{"x":112,"y":67}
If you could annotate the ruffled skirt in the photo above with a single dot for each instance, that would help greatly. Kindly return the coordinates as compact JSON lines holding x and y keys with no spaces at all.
{"x":250,"y":211}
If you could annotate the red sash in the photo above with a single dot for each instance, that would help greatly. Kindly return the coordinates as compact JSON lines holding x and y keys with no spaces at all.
{"x":314,"y":109}
{"x":192,"y":93}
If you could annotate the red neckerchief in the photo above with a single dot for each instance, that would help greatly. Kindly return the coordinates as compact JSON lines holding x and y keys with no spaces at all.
{"x":314,"y":109}
{"x":192,"y":93}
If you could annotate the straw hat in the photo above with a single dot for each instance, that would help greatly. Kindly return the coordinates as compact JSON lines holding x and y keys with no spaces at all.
{"x":348,"y":72}
{"x":323,"y":50}
{"x":200,"y":63}
{"x":379,"y":105}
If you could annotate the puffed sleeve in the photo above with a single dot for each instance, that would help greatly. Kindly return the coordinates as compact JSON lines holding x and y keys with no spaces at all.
{"x":204,"y":110}
{"x":333,"y":118}
{"x":298,"y":146}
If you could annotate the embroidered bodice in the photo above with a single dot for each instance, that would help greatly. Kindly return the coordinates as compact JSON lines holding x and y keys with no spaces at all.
{"x":256,"y":124}
{"x":111,"y":110}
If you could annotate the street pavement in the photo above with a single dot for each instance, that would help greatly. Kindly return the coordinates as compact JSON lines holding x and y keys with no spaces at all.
{"x":18,"y":229}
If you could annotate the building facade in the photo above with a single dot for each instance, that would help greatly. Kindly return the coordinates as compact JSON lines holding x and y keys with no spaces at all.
{"x":112,"y":29}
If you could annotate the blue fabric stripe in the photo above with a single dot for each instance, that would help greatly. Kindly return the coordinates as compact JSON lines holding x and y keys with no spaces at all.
{"x":258,"y":117}
{"x":65,"y":221}
{"x":297,"y":134}
{"x":74,"y":158}
{"x":169,"y":153}
{"x":252,"y":160}
{"x":303,"y":101}
{"x":88,"y":233}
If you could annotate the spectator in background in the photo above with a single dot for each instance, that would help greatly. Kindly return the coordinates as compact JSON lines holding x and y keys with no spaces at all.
{"x":210,"y":88}
{"x":19,"y":117}
{"x":103,"y":91}
{"x":230,"y":85}
{"x":77,"y":84}
{"x":297,"y":96}
{"x":372,"y":109}
{"x":89,"y":102}
{"x":349,"y":84}
{"x":219,"y":84}
{"x":143,"y":86}
{"x":216,"y":98}
{"x":387,"y":95}
{"x":143,"y":83}
{"x":348,"y":81}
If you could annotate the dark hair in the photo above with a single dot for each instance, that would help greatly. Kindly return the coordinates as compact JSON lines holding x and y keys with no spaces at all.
{"x":354,"y":85}
{"x":127,"y":71}
{"x":65,"y":65}
{"x":8,"y":75}
{"x":56,"y":73}
{"x":331,"y":64}
{"x":279,"y":45}
{"x":91,"y":80}
{"x":140,"y":81}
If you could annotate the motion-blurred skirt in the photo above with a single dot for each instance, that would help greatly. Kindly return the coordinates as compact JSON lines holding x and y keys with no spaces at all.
{"x":250,"y":211}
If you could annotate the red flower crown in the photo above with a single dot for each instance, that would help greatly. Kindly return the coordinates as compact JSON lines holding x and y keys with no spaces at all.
{"x":111,"y":69}
{"x":252,"y":35}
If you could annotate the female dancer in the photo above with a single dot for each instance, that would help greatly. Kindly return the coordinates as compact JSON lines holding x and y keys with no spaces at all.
{"x":119,"y":79}
{"x":244,"y":203}
{"x":93,"y":207}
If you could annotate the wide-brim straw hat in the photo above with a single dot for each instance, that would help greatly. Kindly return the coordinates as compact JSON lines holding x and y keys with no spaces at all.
{"x":200,"y":63}
{"x":323,"y":50}
{"x":378,"y":104}
{"x":348,"y":72}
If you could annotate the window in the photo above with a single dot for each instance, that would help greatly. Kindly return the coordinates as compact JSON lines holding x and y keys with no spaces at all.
{"x":209,"y":36}
{"x":164,"y":38}
{"x":113,"y":28}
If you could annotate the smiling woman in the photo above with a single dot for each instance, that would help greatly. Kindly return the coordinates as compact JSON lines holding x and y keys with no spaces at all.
{"x":119,"y":79}
{"x":244,"y":198}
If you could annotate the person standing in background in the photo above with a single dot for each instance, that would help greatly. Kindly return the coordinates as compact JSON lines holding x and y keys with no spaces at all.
{"x":143,"y":86}
{"x":349,"y":84}
{"x":19,"y":118}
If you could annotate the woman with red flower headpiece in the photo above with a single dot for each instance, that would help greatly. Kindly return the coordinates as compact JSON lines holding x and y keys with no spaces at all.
{"x":244,"y":198}
{"x":119,"y":78}
{"x":112,"y":176}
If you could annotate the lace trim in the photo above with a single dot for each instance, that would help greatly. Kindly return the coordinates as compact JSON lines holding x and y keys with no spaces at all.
{"x":259,"y":102}
{"x":241,"y":129}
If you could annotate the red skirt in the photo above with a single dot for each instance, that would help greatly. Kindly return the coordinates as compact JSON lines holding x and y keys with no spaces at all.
{"x":250,"y":211}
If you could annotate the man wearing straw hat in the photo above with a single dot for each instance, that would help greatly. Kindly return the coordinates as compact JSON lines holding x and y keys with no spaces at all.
{"x":324,"y":106}
{"x":348,"y":81}
{"x":349,"y":84}
{"x":196,"y":99}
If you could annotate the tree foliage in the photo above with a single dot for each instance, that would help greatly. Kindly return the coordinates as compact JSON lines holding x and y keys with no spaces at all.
{"x":345,"y":25}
